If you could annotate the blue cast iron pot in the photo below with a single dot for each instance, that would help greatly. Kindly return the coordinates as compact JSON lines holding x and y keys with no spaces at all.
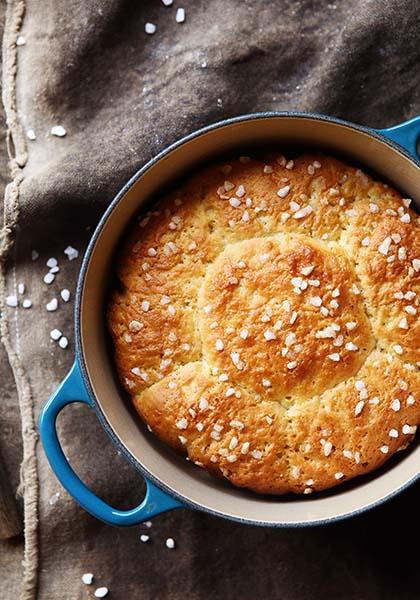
{"x":171,"y":482}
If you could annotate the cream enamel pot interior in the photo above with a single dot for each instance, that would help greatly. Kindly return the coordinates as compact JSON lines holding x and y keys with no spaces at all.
{"x":171,"y":481}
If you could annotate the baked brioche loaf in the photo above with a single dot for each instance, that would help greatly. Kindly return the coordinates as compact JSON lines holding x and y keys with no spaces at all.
{"x":268,"y":324}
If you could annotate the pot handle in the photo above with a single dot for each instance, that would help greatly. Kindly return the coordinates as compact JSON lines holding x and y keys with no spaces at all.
{"x":72,"y":389}
{"x":405,"y":134}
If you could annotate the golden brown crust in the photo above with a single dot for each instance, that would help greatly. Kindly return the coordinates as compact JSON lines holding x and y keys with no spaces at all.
{"x":347,"y":429}
{"x":236,"y":435}
{"x":384,"y":249}
{"x":281,"y":351}
{"x":267,"y":324}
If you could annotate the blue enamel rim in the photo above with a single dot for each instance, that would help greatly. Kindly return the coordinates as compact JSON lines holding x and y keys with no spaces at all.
{"x":403,"y":139}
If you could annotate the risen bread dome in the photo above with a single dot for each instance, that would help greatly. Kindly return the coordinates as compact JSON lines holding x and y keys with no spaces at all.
{"x":268,"y":324}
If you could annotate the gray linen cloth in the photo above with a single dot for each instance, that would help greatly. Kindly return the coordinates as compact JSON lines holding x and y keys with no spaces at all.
{"x":122,"y":96}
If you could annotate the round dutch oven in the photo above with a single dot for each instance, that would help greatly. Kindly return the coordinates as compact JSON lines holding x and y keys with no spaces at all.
{"x":171,"y":481}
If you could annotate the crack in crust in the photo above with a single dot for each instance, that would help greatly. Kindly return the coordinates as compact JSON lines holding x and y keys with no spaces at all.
{"x":242,"y":289}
